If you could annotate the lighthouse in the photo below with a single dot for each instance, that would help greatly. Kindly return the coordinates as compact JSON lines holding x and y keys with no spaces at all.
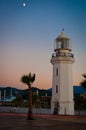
{"x":62,"y":79}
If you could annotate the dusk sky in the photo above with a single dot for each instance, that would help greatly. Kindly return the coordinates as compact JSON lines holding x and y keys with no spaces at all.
{"x":27,"y":33}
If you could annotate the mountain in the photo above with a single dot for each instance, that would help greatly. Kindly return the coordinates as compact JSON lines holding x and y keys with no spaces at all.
{"x":50,"y":90}
{"x":42,"y":92}
{"x":14,"y":91}
{"x":9,"y":91}
{"x":78,"y":90}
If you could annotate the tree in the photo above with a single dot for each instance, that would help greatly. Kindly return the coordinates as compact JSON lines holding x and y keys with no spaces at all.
{"x":79,"y":101}
{"x":84,"y":75}
{"x":83,"y":83}
{"x":28,"y":80}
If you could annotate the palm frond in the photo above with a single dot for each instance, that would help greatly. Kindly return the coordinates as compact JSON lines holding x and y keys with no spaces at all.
{"x":29,"y":76}
{"x":28,"y":79}
{"x":84,"y":75}
{"x":25,"y":79}
{"x":33,"y":78}
{"x":83,"y":84}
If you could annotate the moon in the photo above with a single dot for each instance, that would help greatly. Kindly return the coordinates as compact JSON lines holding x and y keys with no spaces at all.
{"x":24,"y":4}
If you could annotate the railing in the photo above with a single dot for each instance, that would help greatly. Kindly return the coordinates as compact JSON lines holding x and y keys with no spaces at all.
{"x":25,"y":110}
{"x":35,"y":110}
{"x":63,"y":54}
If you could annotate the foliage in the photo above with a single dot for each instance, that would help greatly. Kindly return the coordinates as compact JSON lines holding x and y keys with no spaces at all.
{"x":84,"y":75}
{"x":83,"y":83}
{"x":28,"y":79}
{"x":79,"y":102}
{"x":19,"y":101}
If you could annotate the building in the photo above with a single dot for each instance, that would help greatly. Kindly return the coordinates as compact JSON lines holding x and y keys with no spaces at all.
{"x":62,"y":82}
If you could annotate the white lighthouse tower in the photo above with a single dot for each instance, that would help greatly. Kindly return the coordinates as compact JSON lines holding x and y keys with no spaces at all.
{"x":62,"y":83}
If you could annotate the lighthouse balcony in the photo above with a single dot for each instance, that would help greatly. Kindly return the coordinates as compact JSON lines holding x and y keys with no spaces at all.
{"x":62,"y":54}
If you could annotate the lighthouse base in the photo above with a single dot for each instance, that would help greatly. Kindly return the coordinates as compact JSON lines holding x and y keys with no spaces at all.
{"x":64,"y":108}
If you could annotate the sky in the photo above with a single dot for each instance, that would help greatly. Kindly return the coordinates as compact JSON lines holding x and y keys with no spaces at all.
{"x":27,"y":35}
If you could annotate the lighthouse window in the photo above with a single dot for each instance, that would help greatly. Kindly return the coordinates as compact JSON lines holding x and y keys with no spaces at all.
{"x":57,"y":72}
{"x":59,"y":45}
{"x":56,"y":88}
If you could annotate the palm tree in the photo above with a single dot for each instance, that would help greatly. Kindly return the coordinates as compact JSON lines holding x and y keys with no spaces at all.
{"x":83,"y":83}
{"x":84,"y":75}
{"x":28,"y":80}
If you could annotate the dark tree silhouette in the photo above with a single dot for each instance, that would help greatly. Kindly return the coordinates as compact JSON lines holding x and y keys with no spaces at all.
{"x":83,"y":83}
{"x":29,"y":79}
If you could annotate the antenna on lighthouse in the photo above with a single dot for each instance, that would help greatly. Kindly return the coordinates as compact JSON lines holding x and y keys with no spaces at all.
{"x":63,"y":30}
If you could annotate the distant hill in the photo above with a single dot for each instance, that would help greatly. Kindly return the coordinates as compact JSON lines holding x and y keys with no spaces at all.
{"x":14,"y":91}
{"x":78,"y":90}
{"x":42,"y":92}
{"x":9,"y":91}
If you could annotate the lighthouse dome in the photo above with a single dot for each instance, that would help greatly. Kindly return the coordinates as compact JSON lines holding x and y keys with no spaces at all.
{"x":62,"y":42}
{"x":62,"y":35}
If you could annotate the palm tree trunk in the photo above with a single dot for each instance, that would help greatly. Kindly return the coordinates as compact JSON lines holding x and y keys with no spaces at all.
{"x":30,"y":114}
